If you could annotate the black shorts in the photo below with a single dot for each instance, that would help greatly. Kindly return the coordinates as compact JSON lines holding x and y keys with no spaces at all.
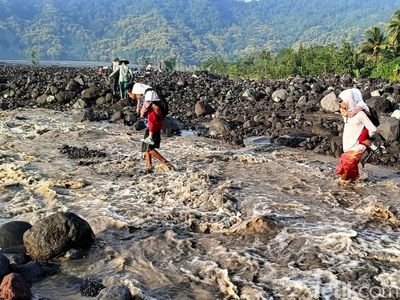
{"x":156,"y":140}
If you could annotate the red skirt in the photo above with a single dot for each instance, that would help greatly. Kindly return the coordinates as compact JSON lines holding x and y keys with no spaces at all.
{"x":348,"y":165}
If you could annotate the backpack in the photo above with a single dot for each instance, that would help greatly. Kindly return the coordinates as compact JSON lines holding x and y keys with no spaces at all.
{"x":373,"y":116}
{"x":163,"y":102}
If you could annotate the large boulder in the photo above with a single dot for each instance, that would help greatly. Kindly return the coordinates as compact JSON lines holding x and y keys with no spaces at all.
{"x":219,"y":126}
{"x":56,"y":234}
{"x":171,"y":126}
{"x":280,"y":95}
{"x":389,"y":128}
{"x":330,"y":103}
{"x":11,"y":235}
{"x":119,"y":292}
{"x":381,"y":105}
{"x":14,"y":287}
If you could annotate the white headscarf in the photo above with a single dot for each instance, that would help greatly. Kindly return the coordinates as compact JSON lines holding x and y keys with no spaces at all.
{"x":139,"y":88}
{"x":151,"y":96}
{"x":353,"y":100}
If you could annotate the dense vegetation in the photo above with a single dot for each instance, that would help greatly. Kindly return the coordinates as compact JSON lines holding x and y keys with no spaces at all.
{"x":378,"y":55}
{"x":190,"y":31}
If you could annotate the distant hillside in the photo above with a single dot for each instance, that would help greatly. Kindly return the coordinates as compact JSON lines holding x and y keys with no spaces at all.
{"x":190,"y":30}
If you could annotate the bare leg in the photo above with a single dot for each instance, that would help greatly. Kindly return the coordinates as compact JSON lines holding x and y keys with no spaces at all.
{"x":157,"y":155}
{"x":149,"y":163}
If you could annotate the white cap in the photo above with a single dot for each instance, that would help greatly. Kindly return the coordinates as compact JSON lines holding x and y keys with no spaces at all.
{"x":151,"y":96}
{"x":140,"y":88}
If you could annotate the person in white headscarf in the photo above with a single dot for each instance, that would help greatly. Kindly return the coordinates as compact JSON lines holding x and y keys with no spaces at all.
{"x":356,"y":134}
{"x":351,"y":104}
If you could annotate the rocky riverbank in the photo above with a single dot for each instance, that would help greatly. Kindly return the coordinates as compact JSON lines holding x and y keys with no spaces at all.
{"x":295,"y":112}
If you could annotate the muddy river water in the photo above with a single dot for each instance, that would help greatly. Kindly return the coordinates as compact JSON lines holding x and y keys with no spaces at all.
{"x":260,"y":222}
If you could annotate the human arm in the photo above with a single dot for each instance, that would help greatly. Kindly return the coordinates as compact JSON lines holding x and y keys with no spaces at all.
{"x":113,"y":73}
{"x":157,"y":110}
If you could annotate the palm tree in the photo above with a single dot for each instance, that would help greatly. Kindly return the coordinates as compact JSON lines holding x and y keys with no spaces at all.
{"x":393,"y":28}
{"x":374,"y":43}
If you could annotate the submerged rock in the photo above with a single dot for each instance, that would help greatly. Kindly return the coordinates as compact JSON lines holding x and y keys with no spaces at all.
{"x":119,"y":292}
{"x":56,"y":234}
{"x":11,"y":235}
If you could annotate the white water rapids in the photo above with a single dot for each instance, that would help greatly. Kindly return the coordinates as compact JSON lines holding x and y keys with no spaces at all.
{"x":230,"y":223}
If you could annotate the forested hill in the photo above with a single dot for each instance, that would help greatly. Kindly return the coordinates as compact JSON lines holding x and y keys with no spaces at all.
{"x":190,"y":30}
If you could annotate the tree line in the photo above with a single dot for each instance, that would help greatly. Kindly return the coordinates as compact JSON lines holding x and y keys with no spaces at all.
{"x":378,"y":55}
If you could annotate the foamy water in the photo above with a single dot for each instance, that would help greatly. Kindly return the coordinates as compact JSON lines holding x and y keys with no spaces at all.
{"x":259,"y":222}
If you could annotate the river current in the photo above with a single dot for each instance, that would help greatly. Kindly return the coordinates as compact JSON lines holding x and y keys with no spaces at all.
{"x":260,"y":222}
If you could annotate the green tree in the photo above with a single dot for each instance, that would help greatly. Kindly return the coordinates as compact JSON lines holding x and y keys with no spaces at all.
{"x":374,"y":44}
{"x":393,"y":28}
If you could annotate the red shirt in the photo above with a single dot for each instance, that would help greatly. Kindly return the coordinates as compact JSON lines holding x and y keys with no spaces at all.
{"x":155,"y":121}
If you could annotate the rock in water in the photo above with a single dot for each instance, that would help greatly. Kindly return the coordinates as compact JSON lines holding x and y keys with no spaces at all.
{"x":11,"y":235}
{"x":56,"y":234}
{"x":14,"y":287}
{"x":120,"y":292}
{"x":220,"y":126}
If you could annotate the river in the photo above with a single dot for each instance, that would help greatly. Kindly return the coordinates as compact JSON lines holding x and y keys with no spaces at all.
{"x":260,"y":222}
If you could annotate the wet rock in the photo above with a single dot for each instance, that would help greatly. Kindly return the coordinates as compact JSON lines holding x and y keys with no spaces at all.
{"x":11,"y":235}
{"x":329,"y":102}
{"x":56,"y":234}
{"x":4,"y":265}
{"x":91,"y":288}
{"x":389,"y":128}
{"x":17,"y":258}
{"x":171,"y":126}
{"x":14,"y":287}
{"x":290,"y":141}
{"x":74,"y":254}
{"x":34,"y":271}
{"x":120,"y":292}
{"x":81,"y":152}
